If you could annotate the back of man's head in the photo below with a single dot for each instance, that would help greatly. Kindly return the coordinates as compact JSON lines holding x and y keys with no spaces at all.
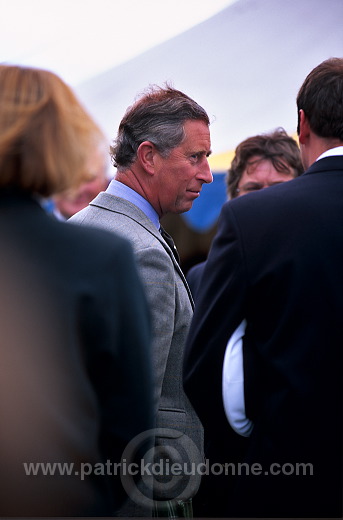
{"x":321,"y":99}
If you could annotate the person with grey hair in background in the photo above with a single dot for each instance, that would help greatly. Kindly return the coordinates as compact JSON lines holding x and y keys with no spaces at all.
{"x":160,"y":153}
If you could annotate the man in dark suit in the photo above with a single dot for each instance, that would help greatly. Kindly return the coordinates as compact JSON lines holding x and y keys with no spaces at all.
{"x":277,"y":261}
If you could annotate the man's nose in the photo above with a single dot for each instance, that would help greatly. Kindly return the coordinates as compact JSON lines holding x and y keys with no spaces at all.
{"x":205,"y":172}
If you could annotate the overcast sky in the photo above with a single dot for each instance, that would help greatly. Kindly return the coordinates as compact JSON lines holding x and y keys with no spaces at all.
{"x":80,"y":38}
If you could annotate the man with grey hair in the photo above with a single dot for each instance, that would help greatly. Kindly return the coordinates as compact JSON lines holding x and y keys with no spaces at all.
{"x":160,"y":153}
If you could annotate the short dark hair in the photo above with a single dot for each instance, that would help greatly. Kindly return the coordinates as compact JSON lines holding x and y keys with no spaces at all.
{"x":321,"y":99}
{"x":277,"y":147}
{"x":159,"y":117}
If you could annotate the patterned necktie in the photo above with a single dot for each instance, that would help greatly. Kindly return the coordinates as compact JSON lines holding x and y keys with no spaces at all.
{"x":170,"y":243}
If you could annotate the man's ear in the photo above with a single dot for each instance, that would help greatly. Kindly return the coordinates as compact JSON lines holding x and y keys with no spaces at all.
{"x":304,"y":127}
{"x":145,"y":155}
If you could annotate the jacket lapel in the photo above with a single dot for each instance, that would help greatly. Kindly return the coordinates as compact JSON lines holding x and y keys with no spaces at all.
{"x":118,"y":205}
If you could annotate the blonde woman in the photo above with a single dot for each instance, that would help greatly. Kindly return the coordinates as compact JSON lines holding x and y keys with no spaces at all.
{"x":74,"y":327}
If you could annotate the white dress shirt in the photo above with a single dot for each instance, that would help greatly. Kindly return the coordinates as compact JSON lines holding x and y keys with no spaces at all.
{"x":233,"y":383}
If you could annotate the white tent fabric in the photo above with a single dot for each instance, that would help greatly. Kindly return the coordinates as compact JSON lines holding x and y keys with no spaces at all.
{"x":79,"y":39}
{"x":243,"y":65}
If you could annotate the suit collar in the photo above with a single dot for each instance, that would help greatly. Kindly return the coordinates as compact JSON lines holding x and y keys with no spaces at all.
{"x":326,"y":164}
{"x":118,"y":205}
{"x":338,"y":150}
{"x":118,"y":189}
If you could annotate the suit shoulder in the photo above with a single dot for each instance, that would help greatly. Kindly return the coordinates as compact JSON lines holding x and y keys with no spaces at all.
{"x":136,"y":228}
{"x":95,"y":237}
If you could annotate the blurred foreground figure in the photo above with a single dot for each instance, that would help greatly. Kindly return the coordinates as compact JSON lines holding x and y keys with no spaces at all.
{"x":75,"y":383}
{"x":69,"y":202}
{"x":277,"y":262}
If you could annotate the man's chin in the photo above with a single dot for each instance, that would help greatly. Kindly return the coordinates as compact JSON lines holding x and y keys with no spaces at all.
{"x":185,"y":208}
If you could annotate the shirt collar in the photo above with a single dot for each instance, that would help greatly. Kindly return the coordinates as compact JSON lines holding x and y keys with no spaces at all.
{"x":338,"y":150}
{"x":124,"y":192}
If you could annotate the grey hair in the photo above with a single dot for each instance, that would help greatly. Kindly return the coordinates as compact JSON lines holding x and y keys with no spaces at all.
{"x":159,"y":117}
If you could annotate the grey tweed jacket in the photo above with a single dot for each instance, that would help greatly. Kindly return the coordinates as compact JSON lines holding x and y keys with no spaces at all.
{"x":171,"y":307}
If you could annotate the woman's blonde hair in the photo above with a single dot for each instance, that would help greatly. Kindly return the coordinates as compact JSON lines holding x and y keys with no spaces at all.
{"x":46,"y":136}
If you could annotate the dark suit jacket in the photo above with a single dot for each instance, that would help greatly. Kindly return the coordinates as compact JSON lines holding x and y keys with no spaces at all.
{"x":193,"y":277}
{"x":75,"y":383}
{"x":277,"y":260}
